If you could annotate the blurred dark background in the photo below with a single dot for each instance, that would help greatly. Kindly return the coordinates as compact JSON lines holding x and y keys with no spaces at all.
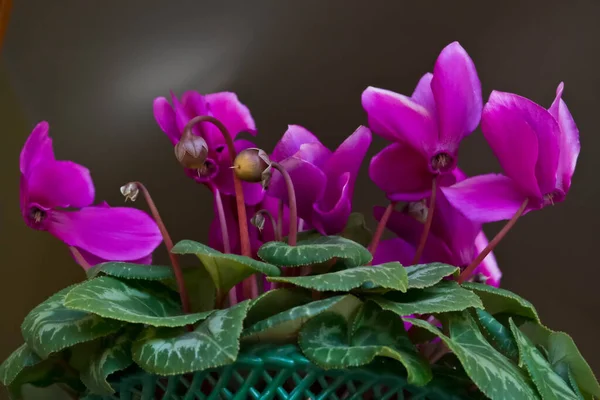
{"x":93,"y":68}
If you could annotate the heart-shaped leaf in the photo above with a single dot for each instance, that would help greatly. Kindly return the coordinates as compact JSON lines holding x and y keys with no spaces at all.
{"x":274,"y":302}
{"x":200,"y":288}
{"x":315,"y":251}
{"x":113,"y":355}
{"x":549,"y":384}
{"x":284,"y":326}
{"x":173,"y":351}
{"x":226,"y":270}
{"x":495,"y":375}
{"x":328,"y":341}
{"x":131,"y":271}
{"x":497,"y":334}
{"x":20,"y":359}
{"x":51,"y":326}
{"x":497,"y":301}
{"x":564,"y":356}
{"x":425,"y":275}
{"x":443,"y":297}
{"x":141,"y":302}
{"x":388,"y":276}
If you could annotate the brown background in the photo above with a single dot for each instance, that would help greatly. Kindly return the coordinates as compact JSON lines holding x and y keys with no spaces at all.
{"x":92,"y":68}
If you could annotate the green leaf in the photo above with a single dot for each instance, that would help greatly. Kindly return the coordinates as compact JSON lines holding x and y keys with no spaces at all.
{"x":444,"y":297}
{"x":51,"y":326}
{"x":389,"y":276}
{"x":496,"y":301}
{"x":356,"y":230}
{"x":20,"y":359}
{"x":226,"y":270}
{"x":549,"y":384}
{"x":315,"y":251}
{"x":131,"y":271}
{"x":495,"y":375}
{"x":497,"y":334}
{"x":284,"y":326}
{"x":112,"y":356}
{"x":274,"y":302}
{"x":214,"y":343}
{"x":574,"y":386}
{"x":426,"y":275}
{"x":327,"y":341}
{"x":563,"y":355}
{"x":141,"y":302}
{"x":200,"y":288}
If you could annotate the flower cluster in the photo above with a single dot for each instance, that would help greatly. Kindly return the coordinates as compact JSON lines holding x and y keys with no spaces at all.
{"x":436,"y":211}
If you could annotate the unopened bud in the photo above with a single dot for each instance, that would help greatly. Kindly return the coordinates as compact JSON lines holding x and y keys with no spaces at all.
{"x":258,"y":220}
{"x":418,"y":210}
{"x":191,"y":151}
{"x":130,"y":191}
{"x":252,"y":165}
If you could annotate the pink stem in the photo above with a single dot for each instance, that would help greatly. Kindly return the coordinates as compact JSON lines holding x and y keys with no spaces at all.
{"x":381,"y":227}
{"x":292,"y":235}
{"x":427,"y":226}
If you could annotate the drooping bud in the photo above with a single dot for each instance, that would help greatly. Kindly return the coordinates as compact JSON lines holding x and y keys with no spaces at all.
{"x":253,"y":165}
{"x":191,"y":151}
{"x":418,"y":210}
{"x":258,"y":220}
{"x":130,"y":191}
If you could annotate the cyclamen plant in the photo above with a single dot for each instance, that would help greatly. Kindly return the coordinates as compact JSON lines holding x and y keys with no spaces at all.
{"x":295,"y":297}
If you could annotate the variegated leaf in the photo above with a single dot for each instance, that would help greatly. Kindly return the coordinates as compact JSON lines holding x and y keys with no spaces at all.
{"x":387,"y":276}
{"x":131,"y":271}
{"x":51,"y":326}
{"x":497,"y":301}
{"x":274,"y":302}
{"x":142,"y":302}
{"x":497,"y":334}
{"x":424,"y":275}
{"x":173,"y":351}
{"x":20,"y":359}
{"x":315,"y":251}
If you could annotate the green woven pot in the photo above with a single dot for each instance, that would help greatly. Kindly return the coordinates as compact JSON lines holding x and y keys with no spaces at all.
{"x":281,"y":373}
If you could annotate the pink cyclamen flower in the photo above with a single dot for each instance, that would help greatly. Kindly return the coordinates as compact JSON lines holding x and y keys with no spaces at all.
{"x":49,"y":191}
{"x":323,"y":180}
{"x":427,"y":127}
{"x":537,"y":149}
{"x":236,"y":117}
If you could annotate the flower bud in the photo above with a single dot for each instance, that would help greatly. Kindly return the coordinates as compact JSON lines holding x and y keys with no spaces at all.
{"x":252,"y":165}
{"x":258,"y":220}
{"x":130,"y":191}
{"x":191,"y":151}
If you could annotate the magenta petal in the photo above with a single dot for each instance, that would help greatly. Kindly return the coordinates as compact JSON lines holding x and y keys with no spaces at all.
{"x":314,"y":153}
{"x":423,"y":94}
{"x":118,"y":233}
{"x":569,"y":141}
{"x":165,"y":118}
{"x":271,"y":204}
{"x":309,"y":184}
{"x":38,"y":147}
{"x":394,"y":249}
{"x":486,"y":198}
{"x":92,"y":260}
{"x":398,"y":118}
{"x":401,"y":172}
{"x":330,"y":218}
{"x":489,"y":266}
{"x":60,"y":184}
{"x":182,"y":115}
{"x":194,"y":103}
{"x":226,"y":107}
{"x":292,"y":141}
{"x":457,"y":91}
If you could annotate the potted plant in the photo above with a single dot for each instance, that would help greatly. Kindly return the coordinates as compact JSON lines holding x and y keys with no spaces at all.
{"x":294,"y":297}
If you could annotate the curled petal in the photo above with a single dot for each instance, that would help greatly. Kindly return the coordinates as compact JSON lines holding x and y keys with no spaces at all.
{"x":486,"y":198}
{"x":569,"y":141}
{"x":118,"y":233}
{"x":38,"y":147}
{"x":399,"y":118}
{"x":457,"y":91}
{"x":330,"y":217}
{"x":401,"y":172}
{"x":292,"y":141}
{"x":165,"y":118}
{"x":423,"y":94}
{"x":489,"y":266}
{"x":394,"y":249}
{"x":227,"y":108}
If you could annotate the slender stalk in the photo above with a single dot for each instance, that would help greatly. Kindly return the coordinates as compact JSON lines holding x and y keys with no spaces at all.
{"x":185,"y":300}
{"x":280,"y":217}
{"x":221,"y":216}
{"x":292,"y":235}
{"x":492,"y":244}
{"x":79,"y":258}
{"x":427,"y":226}
{"x":276,"y":231}
{"x":239,"y":192}
{"x":381,"y":227}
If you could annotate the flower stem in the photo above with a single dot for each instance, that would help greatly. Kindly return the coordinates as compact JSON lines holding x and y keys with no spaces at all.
{"x":280,"y":217}
{"x":221,"y":216}
{"x":276,"y":231}
{"x":381,"y":227}
{"x":185,"y":300}
{"x":492,"y":244}
{"x":79,"y":258}
{"x":292,"y":235}
{"x":239,"y":192}
{"x":427,"y":226}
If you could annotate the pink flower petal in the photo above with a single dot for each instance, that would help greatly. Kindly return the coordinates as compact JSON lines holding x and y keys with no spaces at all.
{"x":118,"y":233}
{"x":292,"y":141}
{"x":486,"y":198}
{"x":165,"y":118}
{"x":394,"y":249}
{"x":423,"y":94}
{"x":226,"y":107}
{"x":457,"y":91}
{"x":401,"y":172}
{"x":489,"y":266}
{"x":569,"y":141}
{"x":330,"y":218}
{"x":38,"y":147}
{"x":92,"y":260}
